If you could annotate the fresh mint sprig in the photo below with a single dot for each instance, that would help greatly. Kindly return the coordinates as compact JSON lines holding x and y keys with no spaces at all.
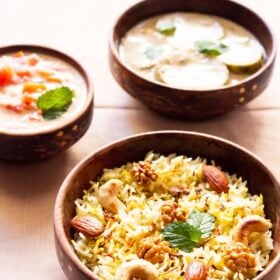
{"x":54,"y":103}
{"x":188,"y":235}
{"x":205,"y":222}
{"x":210,"y":48}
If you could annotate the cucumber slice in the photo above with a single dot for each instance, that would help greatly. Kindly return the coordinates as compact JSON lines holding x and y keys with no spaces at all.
{"x":166,"y":27}
{"x":142,"y":56}
{"x":143,"y":51}
{"x":244,"y":55}
{"x":192,"y":71}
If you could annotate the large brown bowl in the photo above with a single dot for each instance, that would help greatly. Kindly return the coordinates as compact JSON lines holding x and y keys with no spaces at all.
{"x":191,"y":104}
{"x":37,"y":146}
{"x":230,"y":156}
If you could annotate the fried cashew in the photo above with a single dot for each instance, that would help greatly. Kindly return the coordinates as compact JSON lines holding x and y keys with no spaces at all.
{"x":107,"y":196}
{"x":248,"y":225}
{"x":137,"y":269}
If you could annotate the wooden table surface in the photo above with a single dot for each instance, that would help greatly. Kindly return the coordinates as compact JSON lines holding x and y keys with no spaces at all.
{"x":27,"y":192}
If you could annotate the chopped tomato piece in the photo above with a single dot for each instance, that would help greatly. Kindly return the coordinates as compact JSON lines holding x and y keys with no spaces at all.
{"x":33,"y":60}
{"x":29,"y":107}
{"x":33,"y":87}
{"x":15,"y":108}
{"x":27,"y":99}
{"x":6,"y":75}
{"x":23,"y":73}
{"x":19,"y":54}
{"x":53,"y":79}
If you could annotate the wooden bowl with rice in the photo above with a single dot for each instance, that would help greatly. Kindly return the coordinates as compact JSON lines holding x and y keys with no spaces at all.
{"x":232,"y":158}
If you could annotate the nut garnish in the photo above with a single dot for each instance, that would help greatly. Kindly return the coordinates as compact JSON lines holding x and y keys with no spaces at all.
{"x":107,"y":196}
{"x":153,"y":250}
{"x":88,"y":225}
{"x":216,"y":178}
{"x":143,"y":173}
{"x":170,"y":213}
{"x":178,"y":190}
{"x":136,"y":270}
{"x":248,"y":225}
{"x":196,"y":271}
{"x":239,"y":258}
{"x":108,"y":215}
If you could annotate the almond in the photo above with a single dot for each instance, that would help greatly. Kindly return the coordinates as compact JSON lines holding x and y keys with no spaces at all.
{"x":196,"y":271}
{"x":89,"y":226}
{"x":216,"y":178}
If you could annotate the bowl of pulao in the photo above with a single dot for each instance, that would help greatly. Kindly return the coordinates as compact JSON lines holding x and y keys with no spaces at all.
{"x":191,"y":59}
{"x":46,"y":102}
{"x":168,"y":205}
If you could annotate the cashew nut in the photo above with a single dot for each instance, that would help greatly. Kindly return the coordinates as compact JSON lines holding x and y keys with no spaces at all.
{"x":107,"y":195}
{"x":248,"y":225}
{"x":137,"y":269}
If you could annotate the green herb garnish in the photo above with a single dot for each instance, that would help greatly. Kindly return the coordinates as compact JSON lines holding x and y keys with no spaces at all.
{"x":166,"y":27}
{"x":153,"y":52}
{"x":187,"y":235}
{"x":54,"y":103}
{"x":182,"y":235}
{"x":203,"y":221}
{"x":211,"y":48}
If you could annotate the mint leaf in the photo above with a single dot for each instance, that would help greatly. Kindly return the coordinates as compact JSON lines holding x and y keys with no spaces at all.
{"x":53,"y":114}
{"x":54,"y":103}
{"x":187,"y":235}
{"x":153,"y":52}
{"x":182,"y":235}
{"x":210,"y":48}
{"x":166,"y":27}
{"x":202,"y":221}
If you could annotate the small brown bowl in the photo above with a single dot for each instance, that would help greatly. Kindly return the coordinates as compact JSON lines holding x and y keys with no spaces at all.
{"x":230,"y":156}
{"x":37,"y":146}
{"x":191,"y":104}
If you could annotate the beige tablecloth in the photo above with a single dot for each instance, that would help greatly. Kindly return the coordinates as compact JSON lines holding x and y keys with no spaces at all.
{"x":27,"y":192}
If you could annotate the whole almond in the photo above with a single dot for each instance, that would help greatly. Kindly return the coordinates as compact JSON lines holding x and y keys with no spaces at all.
{"x":196,"y":271}
{"x":89,"y":226}
{"x":216,"y":178}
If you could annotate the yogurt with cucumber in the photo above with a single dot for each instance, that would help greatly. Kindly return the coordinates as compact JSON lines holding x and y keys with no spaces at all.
{"x":191,"y":51}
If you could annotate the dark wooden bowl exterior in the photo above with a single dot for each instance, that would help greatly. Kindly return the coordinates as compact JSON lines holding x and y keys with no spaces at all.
{"x":231,"y":157}
{"x":191,"y":104}
{"x":35,"y":146}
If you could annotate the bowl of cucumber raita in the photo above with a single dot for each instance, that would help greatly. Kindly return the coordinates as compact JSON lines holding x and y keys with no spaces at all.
{"x":192,"y":59}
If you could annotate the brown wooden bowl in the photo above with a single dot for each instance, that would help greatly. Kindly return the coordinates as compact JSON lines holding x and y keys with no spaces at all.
{"x":191,"y":104}
{"x":230,"y":156}
{"x":36,"y":146}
